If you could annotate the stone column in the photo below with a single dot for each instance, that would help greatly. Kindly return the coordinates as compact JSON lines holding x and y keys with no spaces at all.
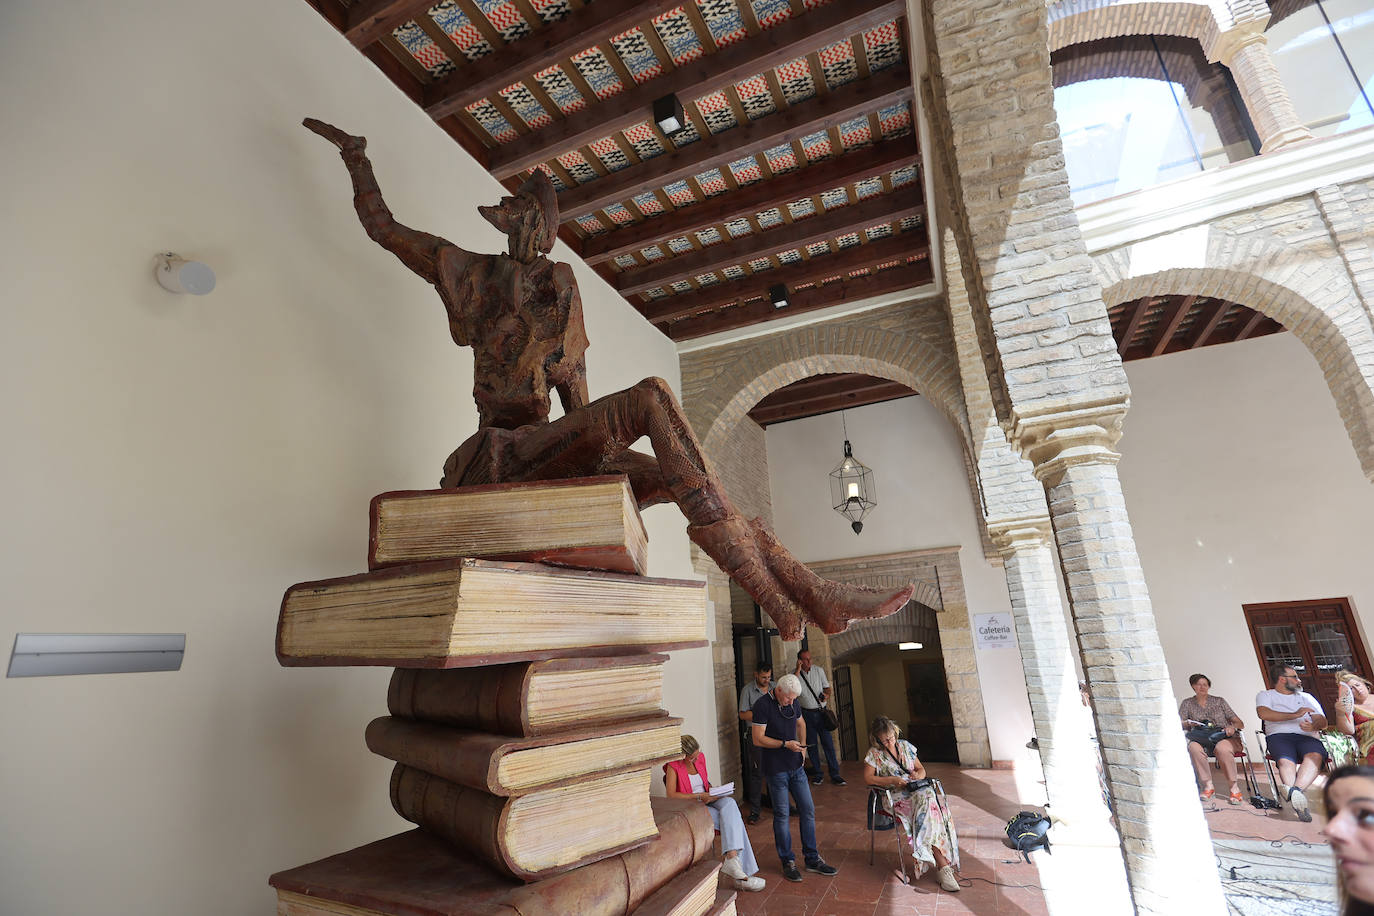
{"x":1244,"y":50}
{"x":1164,"y":835}
{"x":1063,"y":732}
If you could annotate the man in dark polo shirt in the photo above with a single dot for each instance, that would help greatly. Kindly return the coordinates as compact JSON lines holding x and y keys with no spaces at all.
{"x":780,"y":735}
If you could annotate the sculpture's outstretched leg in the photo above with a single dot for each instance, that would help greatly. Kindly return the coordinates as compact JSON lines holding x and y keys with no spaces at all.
{"x":596,"y":439}
{"x":787,"y":590}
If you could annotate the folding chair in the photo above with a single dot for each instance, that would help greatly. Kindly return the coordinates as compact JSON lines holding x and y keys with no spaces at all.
{"x":879,"y":818}
{"x":1242,"y":757}
{"x":1270,"y":769}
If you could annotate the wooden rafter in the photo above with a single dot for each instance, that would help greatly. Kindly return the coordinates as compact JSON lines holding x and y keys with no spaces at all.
{"x":883,"y":156}
{"x":852,"y":289}
{"x":1141,"y":307}
{"x":898,"y":247}
{"x":1210,"y":317}
{"x":859,"y":97}
{"x":1173,"y":316}
{"x":820,"y":394}
{"x":828,"y":225}
{"x":371,"y":19}
{"x":784,"y":42}
{"x":581,"y":29}
{"x":1250,"y":326}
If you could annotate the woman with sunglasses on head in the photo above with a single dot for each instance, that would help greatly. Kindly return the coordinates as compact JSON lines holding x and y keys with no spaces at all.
{"x":1354,"y":716}
{"x":686,"y":778}
{"x":1349,"y":799}
{"x":892,"y":765}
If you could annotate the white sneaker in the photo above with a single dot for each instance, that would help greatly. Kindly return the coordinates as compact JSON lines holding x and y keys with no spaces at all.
{"x":1299,"y":803}
{"x":947,"y":879}
{"x":734,"y":869}
{"x":754,"y":883}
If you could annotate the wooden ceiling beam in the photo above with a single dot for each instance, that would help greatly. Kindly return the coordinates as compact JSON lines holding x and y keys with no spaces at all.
{"x":785,"y":41}
{"x":1207,"y":323}
{"x":371,"y":19}
{"x":863,"y":390}
{"x":828,"y":225}
{"x":1250,"y":326}
{"x":838,"y":171}
{"x":1141,"y":307}
{"x":858,"y":97}
{"x":853,"y":289}
{"x":820,"y":386}
{"x":1172,"y":318}
{"x":574,"y":33}
{"x":813,"y":271}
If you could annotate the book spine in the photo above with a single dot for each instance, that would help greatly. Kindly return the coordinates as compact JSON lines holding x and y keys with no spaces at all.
{"x":489,"y":699}
{"x":463,"y":816}
{"x":620,"y":884}
{"x":467,"y":758}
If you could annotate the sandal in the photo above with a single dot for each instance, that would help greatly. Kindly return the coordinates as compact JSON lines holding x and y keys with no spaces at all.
{"x":1236,"y":798}
{"x":1207,"y":796}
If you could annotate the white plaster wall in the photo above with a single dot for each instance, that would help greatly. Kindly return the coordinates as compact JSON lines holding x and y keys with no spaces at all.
{"x":1242,"y":488}
{"x":174,"y":463}
{"x":923,"y":501}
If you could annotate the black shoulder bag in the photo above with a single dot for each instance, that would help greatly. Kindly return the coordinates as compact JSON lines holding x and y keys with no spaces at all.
{"x":829,"y":721}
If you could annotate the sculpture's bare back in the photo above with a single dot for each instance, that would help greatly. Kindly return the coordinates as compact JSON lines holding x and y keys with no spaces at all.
{"x":522,"y":316}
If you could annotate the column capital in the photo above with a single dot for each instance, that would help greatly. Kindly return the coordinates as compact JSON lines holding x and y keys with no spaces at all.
{"x":1223,"y":46}
{"x":1012,"y":535}
{"x":1053,"y":440}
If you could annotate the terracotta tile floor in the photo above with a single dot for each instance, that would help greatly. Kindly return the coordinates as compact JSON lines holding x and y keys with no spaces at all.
{"x":995,"y":878}
{"x":982,"y":801}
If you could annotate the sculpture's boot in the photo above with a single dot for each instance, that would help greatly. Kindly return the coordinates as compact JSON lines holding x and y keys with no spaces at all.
{"x":829,"y":605}
{"x":789,"y":592}
{"x":730,"y":542}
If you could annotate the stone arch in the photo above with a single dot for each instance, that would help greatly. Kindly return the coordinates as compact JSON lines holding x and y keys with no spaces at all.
{"x":1337,"y":335}
{"x":1076,"y":21}
{"x":941,"y":604}
{"x":910,"y":344}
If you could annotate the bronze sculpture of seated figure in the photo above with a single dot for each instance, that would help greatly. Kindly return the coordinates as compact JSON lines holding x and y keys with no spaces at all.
{"x":521,"y":314}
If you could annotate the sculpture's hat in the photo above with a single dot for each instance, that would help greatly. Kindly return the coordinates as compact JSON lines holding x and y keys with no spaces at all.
{"x":540,"y":189}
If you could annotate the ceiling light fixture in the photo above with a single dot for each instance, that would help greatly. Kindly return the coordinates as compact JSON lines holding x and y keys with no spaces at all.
{"x":668,"y":115}
{"x":906,"y":646}
{"x":852,"y":491}
{"x":178,"y":275}
{"x":778,"y":293}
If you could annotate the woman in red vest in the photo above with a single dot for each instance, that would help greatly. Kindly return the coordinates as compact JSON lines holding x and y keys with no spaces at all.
{"x":686,"y":778}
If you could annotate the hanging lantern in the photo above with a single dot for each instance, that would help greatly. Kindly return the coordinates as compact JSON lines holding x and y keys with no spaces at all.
{"x":852,"y":491}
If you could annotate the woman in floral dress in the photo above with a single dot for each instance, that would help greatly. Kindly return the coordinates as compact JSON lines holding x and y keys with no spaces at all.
{"x":891,"y":764}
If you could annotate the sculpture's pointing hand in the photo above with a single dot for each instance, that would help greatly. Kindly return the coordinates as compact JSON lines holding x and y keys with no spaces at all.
{"x":335,"y":136}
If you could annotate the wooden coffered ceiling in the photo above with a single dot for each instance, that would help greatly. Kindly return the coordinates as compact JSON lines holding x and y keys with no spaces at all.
{"x":1156,"y":325}
{"x":798,"y":165}
{"x":822,"y":394}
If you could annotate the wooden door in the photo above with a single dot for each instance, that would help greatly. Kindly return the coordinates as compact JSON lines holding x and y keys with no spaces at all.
{"x":844,"y":703}
{"x":1318,"y":638}
{"x":930,"y":722}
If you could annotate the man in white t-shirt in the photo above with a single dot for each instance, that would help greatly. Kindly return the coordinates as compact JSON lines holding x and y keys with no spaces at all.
{"x":1292,"y":721}
{"x":815,"y":694}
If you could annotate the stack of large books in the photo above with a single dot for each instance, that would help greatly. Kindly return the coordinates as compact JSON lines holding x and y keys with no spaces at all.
{"x":526,"y":715}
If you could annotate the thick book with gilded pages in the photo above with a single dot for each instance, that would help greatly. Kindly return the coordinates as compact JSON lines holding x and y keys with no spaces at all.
{"x":467,"y":612}
{"x":531,"y":836}
{"x":503,"y":765}
{"x":531,"y":698}
{"x":420,"y":875}
{"x":585,"y":522}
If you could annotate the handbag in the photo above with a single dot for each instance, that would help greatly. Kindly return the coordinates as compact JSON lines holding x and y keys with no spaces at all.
{"x":829,"y":721}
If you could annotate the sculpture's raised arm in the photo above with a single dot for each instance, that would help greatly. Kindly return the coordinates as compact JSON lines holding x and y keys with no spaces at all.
{"x":417,"y":250}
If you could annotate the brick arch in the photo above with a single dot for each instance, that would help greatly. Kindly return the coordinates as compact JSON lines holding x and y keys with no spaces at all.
{"x":1107,"y":59}
{"x":1075,"y":21}
{"x":1335,"y":333}
{"x":917,"y":353}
